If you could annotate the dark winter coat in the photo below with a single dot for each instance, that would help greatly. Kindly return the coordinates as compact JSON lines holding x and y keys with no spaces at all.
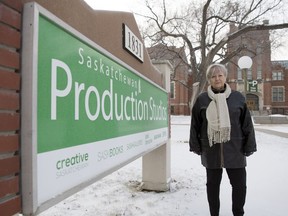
{"x":231,"y":154}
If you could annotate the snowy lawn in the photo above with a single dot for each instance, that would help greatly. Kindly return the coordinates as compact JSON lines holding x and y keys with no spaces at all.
{"x":118,"y":194}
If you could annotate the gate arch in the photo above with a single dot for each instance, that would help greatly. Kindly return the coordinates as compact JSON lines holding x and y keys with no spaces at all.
{"x":252,"y":101}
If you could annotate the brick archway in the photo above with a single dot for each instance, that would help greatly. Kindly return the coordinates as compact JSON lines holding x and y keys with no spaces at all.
{"x":252,"y":102}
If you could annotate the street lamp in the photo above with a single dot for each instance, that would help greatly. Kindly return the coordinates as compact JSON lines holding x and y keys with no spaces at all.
{"x":244,"y":63}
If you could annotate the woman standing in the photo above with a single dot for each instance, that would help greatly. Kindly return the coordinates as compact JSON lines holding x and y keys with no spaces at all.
{"x":222,"y":133}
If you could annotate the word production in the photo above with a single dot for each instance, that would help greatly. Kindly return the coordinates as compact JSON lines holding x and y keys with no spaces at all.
{"x":107,"y":104}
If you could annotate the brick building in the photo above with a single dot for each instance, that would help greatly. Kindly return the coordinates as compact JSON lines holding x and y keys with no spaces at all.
{"x":180,"y":90}
{"x":279,"y":87}
{"x":266,"y":80}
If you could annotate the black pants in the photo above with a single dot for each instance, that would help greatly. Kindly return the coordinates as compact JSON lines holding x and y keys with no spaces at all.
{"x":237,"y":179}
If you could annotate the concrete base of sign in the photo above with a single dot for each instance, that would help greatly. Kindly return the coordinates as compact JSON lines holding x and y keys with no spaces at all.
{"x":156,"y":186}
{"x":156,"y":169}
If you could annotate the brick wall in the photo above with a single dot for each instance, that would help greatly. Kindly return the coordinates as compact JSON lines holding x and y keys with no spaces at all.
{"x":10,"y":43}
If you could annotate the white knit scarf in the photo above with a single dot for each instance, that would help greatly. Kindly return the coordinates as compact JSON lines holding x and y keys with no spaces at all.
{"x":217,"y":115}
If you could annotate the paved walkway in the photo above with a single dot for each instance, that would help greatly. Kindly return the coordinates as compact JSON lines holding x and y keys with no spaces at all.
{"x":273,"y":132}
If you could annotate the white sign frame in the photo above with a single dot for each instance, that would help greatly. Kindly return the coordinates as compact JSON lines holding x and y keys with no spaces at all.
{"x":31,"y":175}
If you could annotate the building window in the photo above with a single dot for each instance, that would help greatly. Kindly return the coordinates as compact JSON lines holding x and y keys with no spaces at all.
{"x":248,"y":75}
{"x":172,"y":90}
{"x":259,"y":61}
{"x":259,"y":68}
{"x":172,"y":110}
{"x":259,"y":74}
{"x":277,"y":75}
{"x":239,"y":74}
{"x":278,"y":94}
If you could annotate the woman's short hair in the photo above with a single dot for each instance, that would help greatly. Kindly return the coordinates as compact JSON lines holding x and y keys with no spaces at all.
{"x":211,"y":69}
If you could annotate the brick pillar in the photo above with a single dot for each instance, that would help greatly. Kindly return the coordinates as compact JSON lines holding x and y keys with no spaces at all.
{"x":10,"y":45}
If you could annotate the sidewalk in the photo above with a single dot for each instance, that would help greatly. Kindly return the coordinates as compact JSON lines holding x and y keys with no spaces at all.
{"x":272,"y":132}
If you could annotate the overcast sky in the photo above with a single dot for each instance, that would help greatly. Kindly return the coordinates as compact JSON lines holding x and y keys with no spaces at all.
{"x":123,"y":5}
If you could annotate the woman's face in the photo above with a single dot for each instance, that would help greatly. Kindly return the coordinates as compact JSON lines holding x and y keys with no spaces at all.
{"x":218,"y":79}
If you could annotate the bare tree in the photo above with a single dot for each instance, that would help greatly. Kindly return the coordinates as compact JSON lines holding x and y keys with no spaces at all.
{"x":202,"y":28}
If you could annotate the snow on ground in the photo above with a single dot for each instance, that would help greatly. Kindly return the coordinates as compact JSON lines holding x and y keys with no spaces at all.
{"x":118,"y":194}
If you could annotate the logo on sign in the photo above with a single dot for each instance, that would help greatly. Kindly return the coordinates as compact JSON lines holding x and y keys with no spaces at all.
{"x":253,"y":86}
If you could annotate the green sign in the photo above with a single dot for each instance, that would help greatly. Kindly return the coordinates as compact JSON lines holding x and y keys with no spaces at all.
{"x":85,"y":96}
{"x":85,"y":112}
{"x":253,"y":86}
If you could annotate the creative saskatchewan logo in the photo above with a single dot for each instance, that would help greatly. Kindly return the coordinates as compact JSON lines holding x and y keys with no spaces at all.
{"x":71,"y":164}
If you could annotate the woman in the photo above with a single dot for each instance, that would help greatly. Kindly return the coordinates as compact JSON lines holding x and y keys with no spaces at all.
{"x":222,"y":133}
